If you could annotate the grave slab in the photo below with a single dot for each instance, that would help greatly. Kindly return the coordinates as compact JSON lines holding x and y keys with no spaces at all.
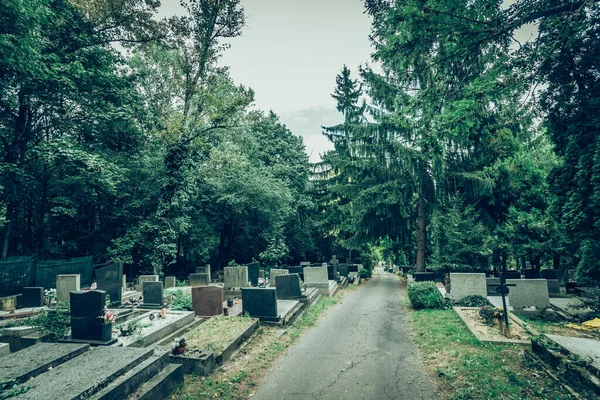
{"x":4,"y":349}
{"x":110,"y":279}
{"x":585,"y":348}
{"x":155,"y":329}
{"x":66,"y":284}
{"x":207,"y":300}
{"x":289,"y":286}
{"x":82,"y":376}
{"x":274,"y":273}
{"x":467,"y":284}
{"x":235,"y":277}
{"x":36,"y":359}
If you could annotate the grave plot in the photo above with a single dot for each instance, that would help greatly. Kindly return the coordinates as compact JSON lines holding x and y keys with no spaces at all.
{"x":264,"y":305}
{"x":575,"y":361}
{"x":290,"y":289}
{"x":57,"y":371}
{"x":211,"y":343}
{"x":484,"y":332}
{"x":150,"y":327}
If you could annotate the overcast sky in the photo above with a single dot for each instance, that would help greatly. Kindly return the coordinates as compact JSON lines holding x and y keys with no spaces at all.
{"x":290,"y":52}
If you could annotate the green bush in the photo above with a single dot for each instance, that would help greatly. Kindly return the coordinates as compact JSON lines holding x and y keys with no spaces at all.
{"x":425,"y":295}
{"x":181,"y":302}
{"x":365,"y":273}
{"x":490,"y":313}
{"x":473,"y":300}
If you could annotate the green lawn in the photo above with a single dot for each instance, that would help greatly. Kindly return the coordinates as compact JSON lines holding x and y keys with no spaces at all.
{"x":468,"y":369}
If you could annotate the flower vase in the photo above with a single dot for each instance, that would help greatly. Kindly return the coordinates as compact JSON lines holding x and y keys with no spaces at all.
{"x":106,"y":332}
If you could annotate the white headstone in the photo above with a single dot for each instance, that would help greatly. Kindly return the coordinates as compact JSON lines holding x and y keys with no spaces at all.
{"x":65,"y":284}
{"x":467,"y":284}
{"x":275,"y":273}
{"x":528,"y":293}
{"x":235,"y":277}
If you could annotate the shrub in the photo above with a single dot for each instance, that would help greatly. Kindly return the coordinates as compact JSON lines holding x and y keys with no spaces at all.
{"x":490,"y":313}
{"x":473,"y":300}
{"x":424,"y":295}
{"x":181,"y":302}
{"x":365,"y":273}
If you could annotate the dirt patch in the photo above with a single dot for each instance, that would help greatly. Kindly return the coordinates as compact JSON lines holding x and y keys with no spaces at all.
{"x":487,"y":333}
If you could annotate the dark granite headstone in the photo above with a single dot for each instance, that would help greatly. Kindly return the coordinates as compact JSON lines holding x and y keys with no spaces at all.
{"x":529,"y":273}
{"x":424,"y":276}
{"x":207,"y":300}
{"x":352,"y":268}
{"x":288,"y":286}
{"x":198,"y":280}
{"x":153,"y":294}
{"x":297,"y":270}
{"x":512,"y":274}
{"x":548,"y":274}
{"x":31,"y":297}
{"x":343,"y":269}
{"x":110,"y":279}
{"x":86,"y":307}
{"x":259,"y":302}
{"x":253,"y":269}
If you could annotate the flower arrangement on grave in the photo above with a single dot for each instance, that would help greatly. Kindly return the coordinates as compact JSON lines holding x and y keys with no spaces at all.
{"x":490,"y":314}
{"x":179,"y":346}
{"x":107,"y":317}
{"x":49,"y":296}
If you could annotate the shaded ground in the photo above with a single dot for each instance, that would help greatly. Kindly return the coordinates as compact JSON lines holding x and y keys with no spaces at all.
{"x":361,"y":349}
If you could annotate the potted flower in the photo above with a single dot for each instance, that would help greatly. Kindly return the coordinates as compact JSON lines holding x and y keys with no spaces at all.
{"x":107,"y":320}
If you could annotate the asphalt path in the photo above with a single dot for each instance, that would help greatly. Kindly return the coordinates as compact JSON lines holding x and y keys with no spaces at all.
{"x":360,"y":349}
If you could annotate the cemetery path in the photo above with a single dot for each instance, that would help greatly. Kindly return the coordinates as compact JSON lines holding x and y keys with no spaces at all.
{"x":361,"y":349}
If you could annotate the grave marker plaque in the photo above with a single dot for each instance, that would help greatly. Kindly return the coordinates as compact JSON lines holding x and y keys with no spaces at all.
{"x":260,"y":302}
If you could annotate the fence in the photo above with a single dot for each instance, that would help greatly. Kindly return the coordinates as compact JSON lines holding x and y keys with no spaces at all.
{"x":46,"y":271}
{"x":16,"y":273}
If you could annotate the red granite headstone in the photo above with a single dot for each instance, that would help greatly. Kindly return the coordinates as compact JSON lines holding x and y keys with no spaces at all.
{"x":207,"y":300}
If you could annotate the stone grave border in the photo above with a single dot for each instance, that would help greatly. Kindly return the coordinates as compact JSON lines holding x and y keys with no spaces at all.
{"x":204,"y":363}
{"x":513,"y":318}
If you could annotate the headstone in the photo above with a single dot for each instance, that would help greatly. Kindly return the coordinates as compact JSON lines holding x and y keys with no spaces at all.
{"x":198,"y":280}
{"x":548,"y":274}
{"x":334,"y":264}
{"x":235,"y":277}
{"x":260,"y":302}
{"x":296,"y":270}
{"x":343,"y":269}
{"x":65,"y":284}
{"x":124,"y":282}
{"x":31,"y":297}
{"x":145,"y":278}
{"x":110,"y":279}
{"x":86,"y":307}
{"x":261,"y":274}
{"x":352,"y":268}
{"x":529,"y":273}
{"x":4,"y":349}
{"x":169,"y":282}
{"x":253,"y":269}
{"x":553,"y":286}
{"x":204,"y":270}
{"x":207,"y":300}
{"x":288,"y":286}
{"x":528,"y":293}
{"x":274,"y":273}
{"x":314,"y":276}
{"x":512,"y":274}
{"x":426,"y":276}
{"x":153,"y":294}
{"x":467,"y":284}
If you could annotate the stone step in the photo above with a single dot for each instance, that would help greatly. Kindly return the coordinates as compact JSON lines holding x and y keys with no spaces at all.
{"x":161,"y":385}
{"x":84,"y":375}
{"x":37,"y":359}
{"x":133,"y":379}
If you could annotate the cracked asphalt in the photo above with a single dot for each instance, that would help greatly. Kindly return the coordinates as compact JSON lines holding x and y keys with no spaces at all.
{"x":360,"y":349}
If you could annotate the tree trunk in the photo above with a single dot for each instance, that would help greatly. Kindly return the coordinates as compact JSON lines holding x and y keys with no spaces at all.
{"x":421,"y":233}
